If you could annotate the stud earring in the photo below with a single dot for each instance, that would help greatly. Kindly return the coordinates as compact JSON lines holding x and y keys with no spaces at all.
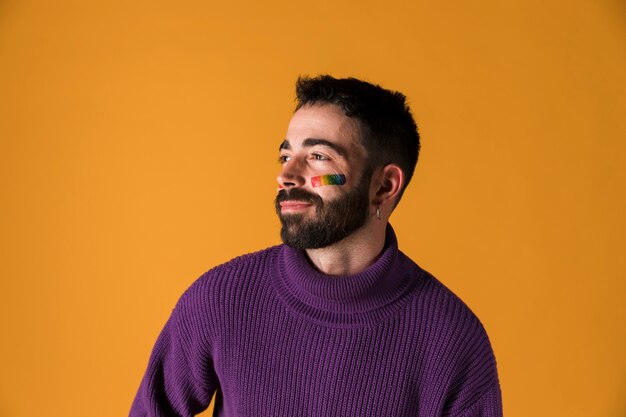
{"x":378,"y":213}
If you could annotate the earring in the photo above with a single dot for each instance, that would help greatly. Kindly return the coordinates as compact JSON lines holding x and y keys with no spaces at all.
{"x":378,"y":213}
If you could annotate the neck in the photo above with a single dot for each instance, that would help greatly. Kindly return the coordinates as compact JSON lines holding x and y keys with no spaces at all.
{"x":353,"y":254}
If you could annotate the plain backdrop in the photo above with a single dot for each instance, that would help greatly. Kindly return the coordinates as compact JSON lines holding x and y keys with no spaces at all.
{"x":138,"y":148}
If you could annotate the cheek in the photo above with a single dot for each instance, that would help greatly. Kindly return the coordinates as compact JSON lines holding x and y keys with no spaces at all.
{"x":330,"y":179}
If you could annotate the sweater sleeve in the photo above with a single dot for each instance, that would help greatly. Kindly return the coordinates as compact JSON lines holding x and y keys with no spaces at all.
{"x":489,"y":405}
{"x":180,"y":379}
{"x":476,"y":389}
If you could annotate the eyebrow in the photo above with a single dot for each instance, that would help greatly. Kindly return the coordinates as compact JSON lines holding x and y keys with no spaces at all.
{"x":310,"y":142}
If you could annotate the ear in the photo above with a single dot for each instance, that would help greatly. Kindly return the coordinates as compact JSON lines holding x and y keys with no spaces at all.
{"x":391,"y":181}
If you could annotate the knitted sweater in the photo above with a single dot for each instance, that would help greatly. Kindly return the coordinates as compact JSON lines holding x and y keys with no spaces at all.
{"x":275,"y":337}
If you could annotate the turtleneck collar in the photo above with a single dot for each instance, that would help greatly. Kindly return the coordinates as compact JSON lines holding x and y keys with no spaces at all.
{"x":344,"y":300}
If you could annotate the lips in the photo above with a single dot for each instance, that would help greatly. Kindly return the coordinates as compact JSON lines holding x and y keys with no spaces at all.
{"x":296,"y":201}
{"x":294,"y":205}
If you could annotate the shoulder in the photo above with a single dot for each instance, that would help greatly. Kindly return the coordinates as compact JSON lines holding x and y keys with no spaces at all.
{"x":237,"y":271}
{"x":454,"y":337}
{"x":452,"y":327}
{"x":229,"y":280}
{"x":213,"y":297}
{"x":438,"y":304}
{"x":243,"y":264}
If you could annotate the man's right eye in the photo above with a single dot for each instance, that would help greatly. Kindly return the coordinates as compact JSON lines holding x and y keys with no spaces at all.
{"x":283,"y":158}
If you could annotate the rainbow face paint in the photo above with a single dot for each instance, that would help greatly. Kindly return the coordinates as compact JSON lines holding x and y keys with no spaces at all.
{"x":330,"y":179}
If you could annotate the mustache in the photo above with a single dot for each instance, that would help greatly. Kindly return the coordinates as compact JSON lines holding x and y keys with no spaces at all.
{"x":299,"y":195}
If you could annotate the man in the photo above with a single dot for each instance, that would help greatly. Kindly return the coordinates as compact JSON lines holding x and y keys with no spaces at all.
{"x":337,"y":321}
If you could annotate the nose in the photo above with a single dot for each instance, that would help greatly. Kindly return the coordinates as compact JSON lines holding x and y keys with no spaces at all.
{"x":291,"y":175}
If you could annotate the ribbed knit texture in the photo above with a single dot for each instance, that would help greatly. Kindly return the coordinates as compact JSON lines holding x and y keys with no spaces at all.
{"x":277,"y":338}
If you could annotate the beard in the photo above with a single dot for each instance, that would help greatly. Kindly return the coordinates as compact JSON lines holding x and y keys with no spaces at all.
{"x":334,"y":219}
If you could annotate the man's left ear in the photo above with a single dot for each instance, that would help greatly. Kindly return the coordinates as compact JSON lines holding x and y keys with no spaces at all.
{"x":389,"y":186}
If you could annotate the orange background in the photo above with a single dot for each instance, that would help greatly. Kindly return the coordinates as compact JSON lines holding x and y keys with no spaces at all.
{"x":138,"y":146}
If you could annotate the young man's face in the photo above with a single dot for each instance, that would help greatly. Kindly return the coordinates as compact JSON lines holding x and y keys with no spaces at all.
{"x":324,"y":181}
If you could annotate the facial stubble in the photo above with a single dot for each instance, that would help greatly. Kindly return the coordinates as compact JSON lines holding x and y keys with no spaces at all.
{"x":333,"y":221}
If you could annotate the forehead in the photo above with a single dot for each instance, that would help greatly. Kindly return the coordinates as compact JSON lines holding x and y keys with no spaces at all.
{"x":325,"y":121}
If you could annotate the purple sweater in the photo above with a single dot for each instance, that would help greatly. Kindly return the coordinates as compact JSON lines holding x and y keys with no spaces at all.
{"x":275,"y":337}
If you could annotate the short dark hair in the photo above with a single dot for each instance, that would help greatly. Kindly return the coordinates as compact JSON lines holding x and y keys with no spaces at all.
{"x":390,"y":133}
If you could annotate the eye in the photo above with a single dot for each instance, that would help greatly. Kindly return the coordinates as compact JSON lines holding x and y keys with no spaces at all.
{"x":320,"y":157}
{"x":283,"y":158}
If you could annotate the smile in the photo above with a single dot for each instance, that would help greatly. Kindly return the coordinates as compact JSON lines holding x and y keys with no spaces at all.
{"x":294,"y":205}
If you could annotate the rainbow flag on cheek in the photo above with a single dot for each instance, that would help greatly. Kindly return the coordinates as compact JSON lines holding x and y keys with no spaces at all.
{"x":330,"y":179}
